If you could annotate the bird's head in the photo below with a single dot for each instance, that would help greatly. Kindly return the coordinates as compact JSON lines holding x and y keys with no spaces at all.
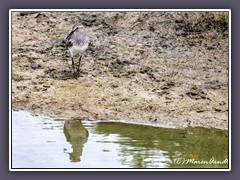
{"x":77,"y":26}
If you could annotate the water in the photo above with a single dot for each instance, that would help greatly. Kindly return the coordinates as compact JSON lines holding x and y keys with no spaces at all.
{"x":39,"y":142}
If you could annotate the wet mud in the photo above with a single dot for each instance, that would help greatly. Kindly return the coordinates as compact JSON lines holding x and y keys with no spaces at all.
{"x":160,"y":68}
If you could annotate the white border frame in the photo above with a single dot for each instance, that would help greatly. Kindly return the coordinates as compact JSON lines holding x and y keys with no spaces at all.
{"x":117,"y":10}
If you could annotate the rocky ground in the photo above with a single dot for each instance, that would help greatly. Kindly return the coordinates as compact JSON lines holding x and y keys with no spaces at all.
{"x":158,"y":68}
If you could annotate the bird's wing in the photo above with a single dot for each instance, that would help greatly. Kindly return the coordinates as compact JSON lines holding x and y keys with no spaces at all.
{"x":69,"y":43}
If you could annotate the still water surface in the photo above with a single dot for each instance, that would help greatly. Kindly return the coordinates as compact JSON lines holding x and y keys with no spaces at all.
{"x":40,"y":142}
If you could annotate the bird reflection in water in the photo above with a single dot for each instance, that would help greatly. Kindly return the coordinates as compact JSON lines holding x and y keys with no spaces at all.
{"x":77,"y":135}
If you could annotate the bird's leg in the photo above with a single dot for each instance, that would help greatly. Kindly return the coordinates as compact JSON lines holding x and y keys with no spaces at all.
{"x":79,"y":61}
{"x":72,"y":65}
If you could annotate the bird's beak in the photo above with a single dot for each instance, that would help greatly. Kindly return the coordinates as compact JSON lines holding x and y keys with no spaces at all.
{"x":70,"y":34}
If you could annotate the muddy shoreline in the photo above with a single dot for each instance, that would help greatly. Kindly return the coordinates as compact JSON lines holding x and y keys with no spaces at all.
{"x":164,"y":69}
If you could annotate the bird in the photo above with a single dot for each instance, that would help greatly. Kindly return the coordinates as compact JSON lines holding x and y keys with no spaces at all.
{"x":77,"y":42}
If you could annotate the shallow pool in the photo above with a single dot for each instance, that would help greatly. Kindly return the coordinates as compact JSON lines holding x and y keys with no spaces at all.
{"x":40,"y":142}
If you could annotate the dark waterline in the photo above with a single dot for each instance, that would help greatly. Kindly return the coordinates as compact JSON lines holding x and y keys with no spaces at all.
{"x":39,"y":142}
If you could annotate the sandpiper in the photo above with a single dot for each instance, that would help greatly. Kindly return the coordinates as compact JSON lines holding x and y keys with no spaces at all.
{"x":77,"y":42}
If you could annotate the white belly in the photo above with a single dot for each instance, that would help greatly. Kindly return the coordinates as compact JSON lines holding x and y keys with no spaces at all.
{"x":77,"y":49}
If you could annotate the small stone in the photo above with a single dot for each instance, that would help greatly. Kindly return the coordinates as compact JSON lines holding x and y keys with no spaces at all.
{"x":35,"y":66}
{"x":180,"y":33}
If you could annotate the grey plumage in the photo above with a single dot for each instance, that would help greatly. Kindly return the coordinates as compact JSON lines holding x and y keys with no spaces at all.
{"x":77,"y":42}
